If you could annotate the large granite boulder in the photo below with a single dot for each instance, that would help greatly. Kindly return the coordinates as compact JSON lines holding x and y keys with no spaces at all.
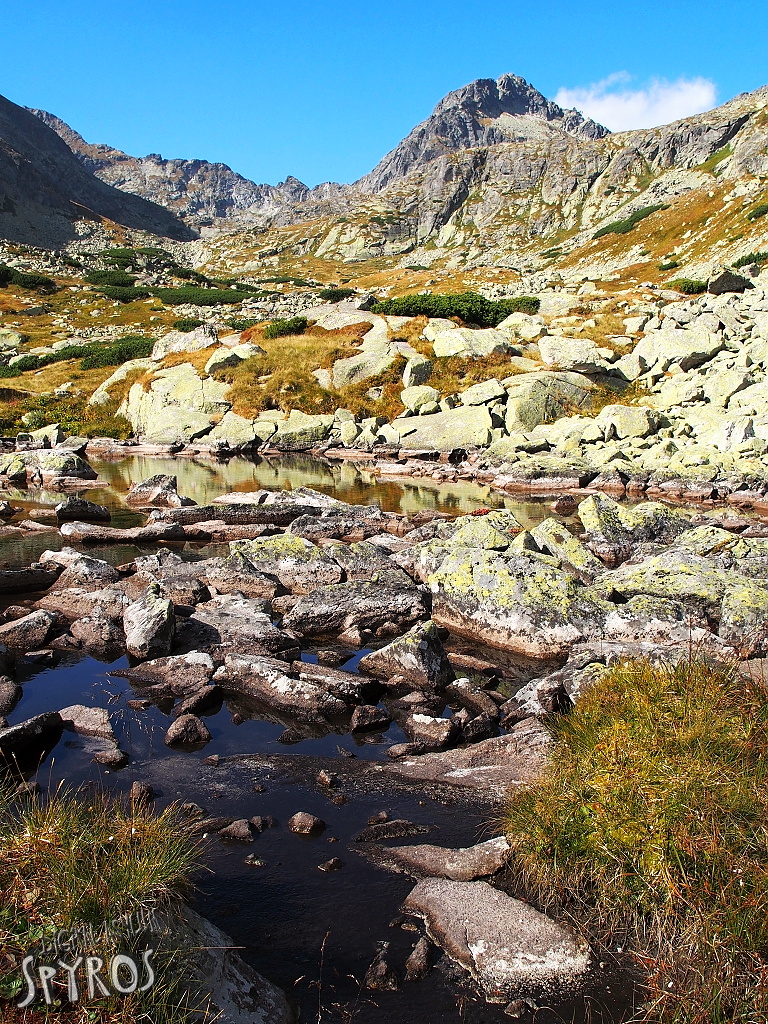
{"x":467,"y":426}
{"x":545,"y":396}
{"x":178,"y":405}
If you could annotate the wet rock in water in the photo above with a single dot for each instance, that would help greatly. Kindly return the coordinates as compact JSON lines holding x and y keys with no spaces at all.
{"x":30,"y":632}
{"x":7,"y":510}
{"x":141,"y":793}
{"x":10,"y":695}
{"x":239,"y":831}
{"x":16,"y":581}
{"x":347,"y":686}
{"x":380,"y":977}
{"x":22,"y":741}
{"x":254,"y":862}
{"x":210,"y":825}
{"x":208,"y":699}
{"x":100,"y":635}
{"x":260,"y":821}
{"x":267,"y":681}
{"x":433,"y":733}
{"x":508,"y":947}
{"x":472,"y":697}
{"x":418,"y":656}
{"x":88,"y":721}
{"x":231,"y":623}
{"x":427,"y":861}
{"x":74,"y":508}
{"x":179,"y":674}
{"x":158,"y":491}
{"x":334,"y":864}
{"x":398,"y":828}
{"x":149,"y":625}
{"x":327,"y":779}
{"x":304,"y":823}
{"x":335,"y":609}
{"x":299,"y":565}
{"x":187,"y":731}
{"x":368,"y":718}
{"x":154,"y":533}
{"x":419,"y":963}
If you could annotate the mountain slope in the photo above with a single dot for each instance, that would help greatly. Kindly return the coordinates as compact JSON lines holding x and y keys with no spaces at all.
{"x":200,"y":192}
{"x":44,"y":189}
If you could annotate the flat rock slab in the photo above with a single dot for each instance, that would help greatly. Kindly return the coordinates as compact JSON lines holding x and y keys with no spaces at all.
{"x":427,"y":861}
{"x":509,"y":948}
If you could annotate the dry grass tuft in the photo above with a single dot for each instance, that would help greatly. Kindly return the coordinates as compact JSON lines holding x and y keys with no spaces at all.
{"x":651,"y":824}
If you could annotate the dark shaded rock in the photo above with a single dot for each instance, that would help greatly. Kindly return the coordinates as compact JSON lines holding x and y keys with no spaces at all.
{"x":380,"y":977}
{"x":99,"y":634}
{"x":306,"y":824}
{"x":347,"y":686}
{"x":419,"y":963}
{"x":727,"y":280}
{"x":368,"y":718}
{"x":399,"y":828}
{"x":472,"y":697}
{"x":334,"y":864}
{"x":333,"y":609}
{"x":74,"y":508}
{"x":207,"y":699}
{"x":479,"y":728}
{"x":187,"y":731}
{"x":230,"y":623}
{"x":141,"y":793}
{"x":22,"y":741}
{"x":16,"y":581}
{"x":239,"y":831}
{"x":10,"y":695}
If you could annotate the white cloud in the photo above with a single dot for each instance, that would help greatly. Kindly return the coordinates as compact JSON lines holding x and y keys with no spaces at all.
{"x":659,"y":102}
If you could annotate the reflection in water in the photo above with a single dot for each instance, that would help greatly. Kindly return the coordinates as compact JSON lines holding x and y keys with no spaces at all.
{"x":205,"y":479}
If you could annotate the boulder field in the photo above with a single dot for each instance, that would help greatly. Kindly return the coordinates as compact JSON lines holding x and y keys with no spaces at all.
{"x":678,"y":400}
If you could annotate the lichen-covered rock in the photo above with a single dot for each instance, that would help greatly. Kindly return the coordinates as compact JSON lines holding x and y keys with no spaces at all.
{"x":301,"y":431}
{"x":555,"y":539}
{"x":149,"y":625}
{"x":544,"y":397}
{"x":684,"y":348}
{"x":418,"y":656}
{"x":483,"y":393}
{"x":415,"y":397}
{"x":298,"y":564}
{"x":467,"y":426}
{"x":224,"y":358}
{"x":521,"y":602}
{"x":613,"y":531}
{"x":627,"y":421}
{"x":580,"y":354}
{"x":470,"y":344}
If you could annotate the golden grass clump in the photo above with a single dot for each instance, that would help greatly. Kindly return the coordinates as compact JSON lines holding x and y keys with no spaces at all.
{"x":651,"y":826}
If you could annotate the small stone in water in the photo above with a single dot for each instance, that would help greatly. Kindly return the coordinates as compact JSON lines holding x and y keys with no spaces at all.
{"x":141,"y":793}
{"x":334,"y":864}
{"x":254,"y":862}
{"x":376,"y":819}
{"x":192,"y":810}
{"x":305,"y":823}
{"x":326,"y":778}
{"x":211,"y":759}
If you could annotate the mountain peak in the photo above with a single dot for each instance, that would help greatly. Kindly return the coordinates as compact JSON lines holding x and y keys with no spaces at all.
{"x":483,"y":113}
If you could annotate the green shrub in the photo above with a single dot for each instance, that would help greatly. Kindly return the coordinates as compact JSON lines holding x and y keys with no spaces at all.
{"x":133,"y":346}
{"x":32,"y":282}
{"x":199,"y":296}
{"x":241,"y":323}
{"x":669,"y":265}
{"x":417,"y":266}
{"x":759,"y":211}
{"x":622,"y":227}
{"x":468,"y":306}
{"x":116,"y":278}
{"x":121,"y":294}
{"x":281,"y":328}
{"x":187,"y":324}
{"x":688,"y":286}
{"x":753,"y":257}
{"x":335,"y":294}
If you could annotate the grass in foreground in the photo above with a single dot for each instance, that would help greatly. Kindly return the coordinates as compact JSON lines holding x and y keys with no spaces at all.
{"x":82,"y":859}
{"x":651,"y":826}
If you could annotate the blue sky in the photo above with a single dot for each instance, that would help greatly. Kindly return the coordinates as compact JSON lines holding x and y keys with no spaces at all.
{"x":322,"y":90}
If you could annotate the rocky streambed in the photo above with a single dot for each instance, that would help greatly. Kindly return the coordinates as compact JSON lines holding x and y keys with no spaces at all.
{"x":342,"y":695}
